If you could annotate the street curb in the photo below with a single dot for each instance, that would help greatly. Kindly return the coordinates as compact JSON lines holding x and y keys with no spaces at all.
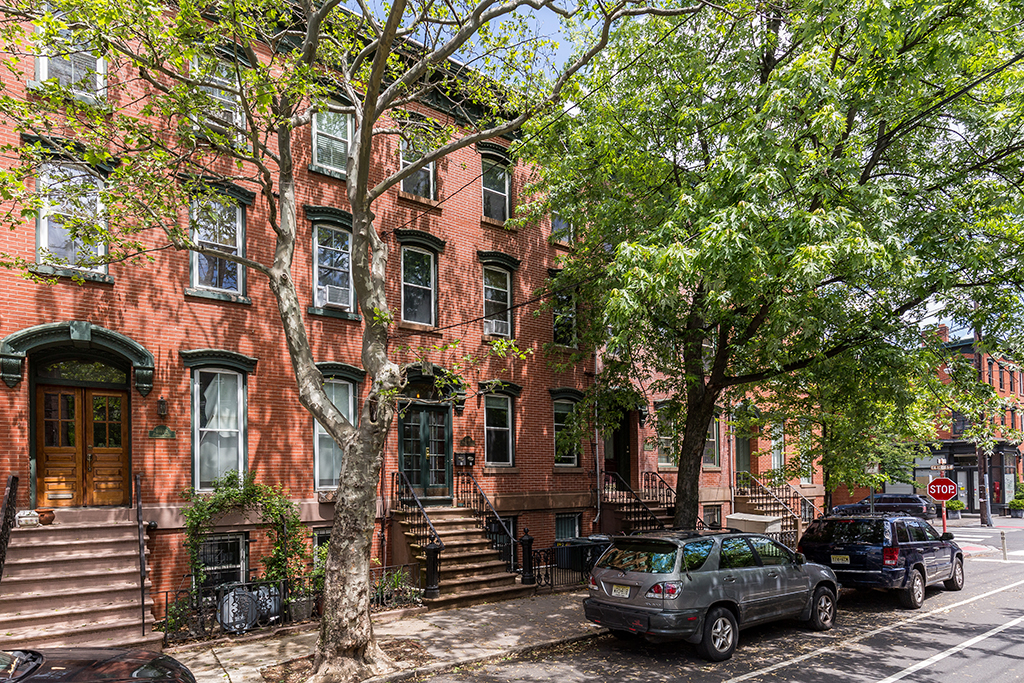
{"x":439,"y":667}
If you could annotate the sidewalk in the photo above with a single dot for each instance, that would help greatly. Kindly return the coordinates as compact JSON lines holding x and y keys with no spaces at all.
{"x":427,"y":641}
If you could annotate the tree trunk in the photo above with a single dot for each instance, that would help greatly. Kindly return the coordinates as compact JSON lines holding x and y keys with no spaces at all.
{"x":699,"y":415}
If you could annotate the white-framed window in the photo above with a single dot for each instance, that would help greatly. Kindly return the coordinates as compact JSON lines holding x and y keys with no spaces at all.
{"x":496,"y":190}
{"x":332,"y":133}
{"x":567,"y":525}
{"x":498,"y":430}
{"x":778,"y":446}
{"x":568,"y":455}
{"x":421,"y":181}
{"x":333,"y":267}
{"x":222,"y":114}
{"x":218,"y":223}
{"x":73,"y":65}
{"x":712,"y":516}
{"x":497,"y":302}
{"x":328,"y":453}
{"x":224,"y":559}
{"x":564,"y":332}
{"x":218,"y":400}
{"x":419,"y":286}
{"x":711,"y":445}
{"x":71,"y":204}
{"x":665,"y":426}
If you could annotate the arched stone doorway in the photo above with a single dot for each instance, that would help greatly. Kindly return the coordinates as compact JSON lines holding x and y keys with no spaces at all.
{"x":80,"y":406}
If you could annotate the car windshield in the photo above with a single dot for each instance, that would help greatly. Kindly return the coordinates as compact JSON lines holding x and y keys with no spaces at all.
{"x":845,"y":531}
{"x":650,"y":557}
{"x":15,"y":665}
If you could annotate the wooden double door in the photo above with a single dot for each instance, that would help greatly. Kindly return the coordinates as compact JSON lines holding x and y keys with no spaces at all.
{"x":81,"y":447}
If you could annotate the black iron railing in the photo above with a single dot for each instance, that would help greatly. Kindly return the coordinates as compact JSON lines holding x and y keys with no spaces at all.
{"x":469,"y":495}
{"x":781,"y":500}
{"x":657,"y":489}
{"x":7,"y":511}
{"x":566,"y":565}
{"x":404,"y":497}
{"x":635,"y":513}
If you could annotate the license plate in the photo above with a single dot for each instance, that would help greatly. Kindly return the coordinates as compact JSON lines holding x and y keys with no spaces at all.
{"x":840,"y":559}
{"x":620,"y":591}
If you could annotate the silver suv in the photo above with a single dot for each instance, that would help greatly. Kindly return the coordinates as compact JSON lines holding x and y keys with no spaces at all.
{"x":703,"y":586}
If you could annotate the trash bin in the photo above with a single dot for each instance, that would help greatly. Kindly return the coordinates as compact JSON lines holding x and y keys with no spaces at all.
{"x":580,"y":553}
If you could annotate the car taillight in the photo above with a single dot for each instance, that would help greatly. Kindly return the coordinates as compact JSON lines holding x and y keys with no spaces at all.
{"x":890,"y":557}
{"x":593,"y":583}
{"x":668,"y":590}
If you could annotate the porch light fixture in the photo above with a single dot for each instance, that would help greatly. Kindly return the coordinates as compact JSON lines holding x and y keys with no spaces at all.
{"x":161,"y":407}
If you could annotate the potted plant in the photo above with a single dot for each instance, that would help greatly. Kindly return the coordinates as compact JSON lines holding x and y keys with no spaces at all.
{"x":1017,"y":508}
{"x":954,"y":508}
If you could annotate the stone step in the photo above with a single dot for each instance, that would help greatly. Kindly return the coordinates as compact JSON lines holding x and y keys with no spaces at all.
{"x":64,"y":549}
{"x":99,"y":633}
{"x":71,"y":533}
{"x":67,"y":580}
{"x":460,"y":571}
{"x":475,"y":597}
{"x":70,"y":563}
{"x":46,"y":612}
{"x":19,"y":601}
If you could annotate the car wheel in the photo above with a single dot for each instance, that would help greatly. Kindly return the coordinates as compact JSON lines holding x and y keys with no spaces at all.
{"x":720,"y":632}
{"x":956,"y":580}
{"x":912,"y":597}
{"x":823,"y":609}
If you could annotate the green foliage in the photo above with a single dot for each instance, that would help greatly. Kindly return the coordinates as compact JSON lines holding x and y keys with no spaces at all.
{"x":1016,"y":504}
{"x":955,"y":504}
{"x":268,"y":504}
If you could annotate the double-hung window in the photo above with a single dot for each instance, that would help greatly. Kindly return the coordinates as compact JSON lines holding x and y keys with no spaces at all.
{"x":498,"y":429}
{"x":778,"y":446}
{"x":567,"y":454}
{"x":496,"y":189}
{"x":70,"y":214}
{"x":333,"y":267}
{"x":331,"y":135}
{"x":71,"y":64}
{"x":497,"y":302}
{"x":567,"y":525}
{"x":218,"y":224}
{"x":223,"y":559}
{"x":222,"y":112}
{"x":421,"y":181}
{"x":711,"y":450}
{"x":419,"y":286}
{"x":328,"y":453}
{"x":561,"y":229}
{"x":218,"y":399}
{"x":564,"y":332}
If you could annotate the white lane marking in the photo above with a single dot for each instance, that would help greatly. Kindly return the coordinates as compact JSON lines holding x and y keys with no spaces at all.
{"x":993,"y":559}
{"x":869,"y":634}
{"x":951,"y":651}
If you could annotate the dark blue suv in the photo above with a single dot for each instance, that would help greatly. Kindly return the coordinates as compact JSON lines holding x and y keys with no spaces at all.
{"x":891,"y":552}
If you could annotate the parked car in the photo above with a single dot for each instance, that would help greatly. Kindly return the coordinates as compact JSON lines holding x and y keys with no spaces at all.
{"x":703,"y":586}
{"x":902,"y":503}
{"x":91,"y":665}
{"x":892,"y":552}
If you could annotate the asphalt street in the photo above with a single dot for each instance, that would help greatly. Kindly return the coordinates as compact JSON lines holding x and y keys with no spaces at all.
{"x":976,"y":634}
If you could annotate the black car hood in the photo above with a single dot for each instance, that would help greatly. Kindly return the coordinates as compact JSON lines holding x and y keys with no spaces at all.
{"x":106,"y":665}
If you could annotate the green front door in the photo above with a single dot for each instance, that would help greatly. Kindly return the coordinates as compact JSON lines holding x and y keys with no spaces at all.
{"x":426,"y":450}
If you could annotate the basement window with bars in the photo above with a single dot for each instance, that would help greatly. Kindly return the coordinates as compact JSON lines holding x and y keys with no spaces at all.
{"x":567,"y":526}
{"x":224,"y":559}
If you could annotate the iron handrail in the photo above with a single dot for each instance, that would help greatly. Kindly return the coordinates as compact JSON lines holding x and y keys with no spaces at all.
{"x":142,"y":548}
{"x":403,"y":491}
{"x":653,"y":480}
{"x":7,"y":517}
{"x":765,"y":490}
{"x":615,"y":477}
{"x":463,"y":476}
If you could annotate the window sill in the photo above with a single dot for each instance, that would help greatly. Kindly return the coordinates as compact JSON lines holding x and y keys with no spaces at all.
{"x":417,"y":199}
{"x":327,"y":171}
{"x":99,"y":102}
{"x":668,"y":468}
{"x":72,"y":273}
{"x":495,"y":223}
{"x":711,"y":468}
{"x":218,"y":296}
{"x":567,"y":469}
{"x":501,"y":469}
{"x":338,"y":313}
{"x":420,"y":327}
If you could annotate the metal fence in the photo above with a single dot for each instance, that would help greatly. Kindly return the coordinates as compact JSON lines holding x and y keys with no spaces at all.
{"x":566,"y":565}
{"x":240,"y":607}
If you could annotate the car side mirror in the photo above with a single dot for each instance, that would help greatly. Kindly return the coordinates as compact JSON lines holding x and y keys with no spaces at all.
{"x":800,"y":559}
{"x":948,"y":536}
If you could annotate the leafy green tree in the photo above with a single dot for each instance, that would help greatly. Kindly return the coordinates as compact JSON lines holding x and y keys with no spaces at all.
{"x":144,"y":109}
{"x":755,"y":195}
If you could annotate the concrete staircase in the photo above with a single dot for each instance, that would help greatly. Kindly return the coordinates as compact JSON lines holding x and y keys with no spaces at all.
{"x":471,"y":571}
{"x":75,"y":583}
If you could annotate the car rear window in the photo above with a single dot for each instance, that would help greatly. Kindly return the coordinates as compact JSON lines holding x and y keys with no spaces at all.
{"x":845,"y":531}
{"x":650,"y":557}
{"x":696,"y":554}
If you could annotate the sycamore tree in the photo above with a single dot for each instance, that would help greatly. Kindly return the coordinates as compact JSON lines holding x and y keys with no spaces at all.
{"x":137,"y":117}
{"x":754,"y":195}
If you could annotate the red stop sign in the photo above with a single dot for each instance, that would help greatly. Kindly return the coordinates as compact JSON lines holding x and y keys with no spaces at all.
{"x":942,"y":489}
